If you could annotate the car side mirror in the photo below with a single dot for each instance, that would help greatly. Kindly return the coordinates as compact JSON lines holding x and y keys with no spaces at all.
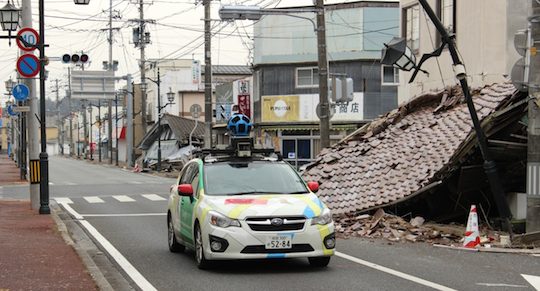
{"x":313,"y":186}
{"x":185,"y":190}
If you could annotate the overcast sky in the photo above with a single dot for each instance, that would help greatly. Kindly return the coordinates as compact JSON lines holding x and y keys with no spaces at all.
{"x":177,"y":32}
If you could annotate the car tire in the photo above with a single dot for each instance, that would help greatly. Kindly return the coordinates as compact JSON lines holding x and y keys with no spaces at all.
{"x":174,"y":246}
{"x":202,"y":262}
{"x":319,"y":261}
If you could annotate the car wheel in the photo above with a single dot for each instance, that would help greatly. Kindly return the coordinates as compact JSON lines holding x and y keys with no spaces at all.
{"x":174,"y":246}
{"x":202,"y":262}
{"x":319,"y":261}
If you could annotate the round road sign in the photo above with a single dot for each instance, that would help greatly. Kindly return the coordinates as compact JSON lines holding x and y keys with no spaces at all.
{"x":10,"y":110}
{"x":29,"y":35}
{"x":21,"y":92}
{"x":28,"y":65}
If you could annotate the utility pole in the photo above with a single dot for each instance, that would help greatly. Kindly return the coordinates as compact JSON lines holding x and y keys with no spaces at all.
{"x":143,"y":74}
{"x":32,"y":102}
{"x":533,"y":140}
{"x":110,"y":67}
{"x":324,"y":105}
{"x":207,"y":77}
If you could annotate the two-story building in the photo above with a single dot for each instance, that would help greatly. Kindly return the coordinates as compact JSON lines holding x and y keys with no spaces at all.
{"x":286,"y":79}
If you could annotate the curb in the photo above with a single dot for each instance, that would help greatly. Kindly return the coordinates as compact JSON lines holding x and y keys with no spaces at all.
{"x":88,"y":262}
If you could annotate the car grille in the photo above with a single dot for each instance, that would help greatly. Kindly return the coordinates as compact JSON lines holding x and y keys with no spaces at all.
{"x":296,"y":248}
{"x":289,"y":223}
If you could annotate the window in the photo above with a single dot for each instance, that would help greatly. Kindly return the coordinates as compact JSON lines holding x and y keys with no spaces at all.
{"x":446,"y":14}
{"x":390,"y":75}
{"x":411,"y":24}
{"x":307,"y":77}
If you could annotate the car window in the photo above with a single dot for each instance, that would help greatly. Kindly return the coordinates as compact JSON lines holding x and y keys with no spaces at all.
{"x":236,"y":178}
{"x":195,"y":184}
{"x":188,"y":172}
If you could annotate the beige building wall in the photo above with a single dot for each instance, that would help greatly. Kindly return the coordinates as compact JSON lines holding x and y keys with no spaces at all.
{"x":484,"y":38}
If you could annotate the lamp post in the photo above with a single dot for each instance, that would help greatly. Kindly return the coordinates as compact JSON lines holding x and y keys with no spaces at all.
{"x":90,"y":137}
{"x":255,"y":13}
{"x":98,"y":120}
{"x":396,"y":53}
{"x":170,"y":98}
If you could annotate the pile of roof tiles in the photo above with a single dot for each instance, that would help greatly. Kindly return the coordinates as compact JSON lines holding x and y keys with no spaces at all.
{"x":396,"y":229}
{"x":404,"y":153}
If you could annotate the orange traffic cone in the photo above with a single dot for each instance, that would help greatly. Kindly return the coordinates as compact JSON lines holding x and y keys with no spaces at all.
{"x":472,"y":235}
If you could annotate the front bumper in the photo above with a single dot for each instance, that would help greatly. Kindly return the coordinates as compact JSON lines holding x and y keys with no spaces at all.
{"x":243,"y":243}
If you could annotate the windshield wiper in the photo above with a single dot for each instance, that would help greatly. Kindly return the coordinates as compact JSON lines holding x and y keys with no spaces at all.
{"x":297,"y":192}
{"x":252,"y":192}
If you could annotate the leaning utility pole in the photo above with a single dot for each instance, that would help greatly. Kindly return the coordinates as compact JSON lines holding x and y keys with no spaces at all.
{"x":32,"y":102}
{"x":533,"y":140}
{"x":324,"y":105}
{"x":207,"y":77}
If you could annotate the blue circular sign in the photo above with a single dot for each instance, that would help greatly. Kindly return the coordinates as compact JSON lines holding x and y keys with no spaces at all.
{"x":10,"y":110}
{"x":21,"y":92}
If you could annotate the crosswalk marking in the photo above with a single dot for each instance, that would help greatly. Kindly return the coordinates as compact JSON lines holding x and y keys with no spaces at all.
{"x":123,"y":198}
{"x":94,"y":199}
{"x":153,"y":197}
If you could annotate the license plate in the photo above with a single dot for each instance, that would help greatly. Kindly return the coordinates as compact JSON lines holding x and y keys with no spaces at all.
{"x":278,"y":242}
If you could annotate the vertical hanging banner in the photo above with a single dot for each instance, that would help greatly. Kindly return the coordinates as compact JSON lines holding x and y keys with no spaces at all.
{"x":244,"y":105}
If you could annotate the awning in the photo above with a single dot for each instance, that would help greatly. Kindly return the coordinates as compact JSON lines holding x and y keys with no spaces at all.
{"x":308,"y":127}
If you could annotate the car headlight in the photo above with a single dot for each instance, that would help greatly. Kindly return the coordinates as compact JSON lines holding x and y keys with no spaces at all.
{"x":323,"y":219}
{"x":221,"y":220}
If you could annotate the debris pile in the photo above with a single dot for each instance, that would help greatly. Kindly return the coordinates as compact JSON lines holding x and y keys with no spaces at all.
{"x":397,"y":229}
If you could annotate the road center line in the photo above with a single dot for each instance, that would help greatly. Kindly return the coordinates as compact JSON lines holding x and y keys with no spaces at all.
{"x":113,"y":252}
{"x":394,"y":272}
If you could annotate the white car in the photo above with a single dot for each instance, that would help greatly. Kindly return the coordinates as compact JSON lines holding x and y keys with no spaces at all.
{"x":251,"y":207}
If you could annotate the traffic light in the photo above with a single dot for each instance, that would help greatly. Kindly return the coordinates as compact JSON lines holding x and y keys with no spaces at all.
{"x":75,"y":58}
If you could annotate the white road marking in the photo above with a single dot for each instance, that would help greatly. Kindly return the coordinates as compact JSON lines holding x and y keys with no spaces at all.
{"x":395,"y":273}
{"x":501,"y":285}
{"x":124,"y":215}
{"x":63,"y":200}
{"x":123,"y":198}
{"x":94,"y":199}
{"x":113,"y":252}
{"x":153,"y":197}
{"x":533,"y":280}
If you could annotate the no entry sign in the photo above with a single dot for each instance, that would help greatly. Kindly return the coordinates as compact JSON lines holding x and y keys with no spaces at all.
{"x":28,"y":65}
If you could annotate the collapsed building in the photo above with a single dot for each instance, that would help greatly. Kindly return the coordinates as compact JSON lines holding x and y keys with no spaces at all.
{"x":422,"y":159}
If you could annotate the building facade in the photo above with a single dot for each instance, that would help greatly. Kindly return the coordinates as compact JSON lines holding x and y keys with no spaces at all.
{"x":285,"y":74}
{"x":484,"y":34}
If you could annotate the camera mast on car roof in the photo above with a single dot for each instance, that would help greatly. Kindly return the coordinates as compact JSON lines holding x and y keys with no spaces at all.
{"x":241,"y":144}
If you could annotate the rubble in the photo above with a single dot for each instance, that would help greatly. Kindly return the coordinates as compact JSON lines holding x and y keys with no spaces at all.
{"x":396,"y":229}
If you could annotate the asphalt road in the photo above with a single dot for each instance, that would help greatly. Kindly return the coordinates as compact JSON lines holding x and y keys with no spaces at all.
{"x":124,"y":215}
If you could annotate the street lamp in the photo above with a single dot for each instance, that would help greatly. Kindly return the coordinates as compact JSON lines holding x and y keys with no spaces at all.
{"x":10,"y":84}
{"x":254,"y":13}
{"x":397,"y":52}
{"x":81,"y":2}
{"x":117,"y":98}
{"x":90,"y":136}
{"x":98,"y":120}
{"x":170,"y":98}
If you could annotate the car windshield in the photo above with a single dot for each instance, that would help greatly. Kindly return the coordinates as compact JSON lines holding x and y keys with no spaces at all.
{"x":254,"y":177}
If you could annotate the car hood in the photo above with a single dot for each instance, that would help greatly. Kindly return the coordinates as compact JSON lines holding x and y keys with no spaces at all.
{"x":240,"y":207}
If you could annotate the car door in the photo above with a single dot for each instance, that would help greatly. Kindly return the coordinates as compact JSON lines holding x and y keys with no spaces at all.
{"x":188,"y":203}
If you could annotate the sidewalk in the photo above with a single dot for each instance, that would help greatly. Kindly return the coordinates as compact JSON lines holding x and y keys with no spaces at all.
{"x":33,"y":254}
